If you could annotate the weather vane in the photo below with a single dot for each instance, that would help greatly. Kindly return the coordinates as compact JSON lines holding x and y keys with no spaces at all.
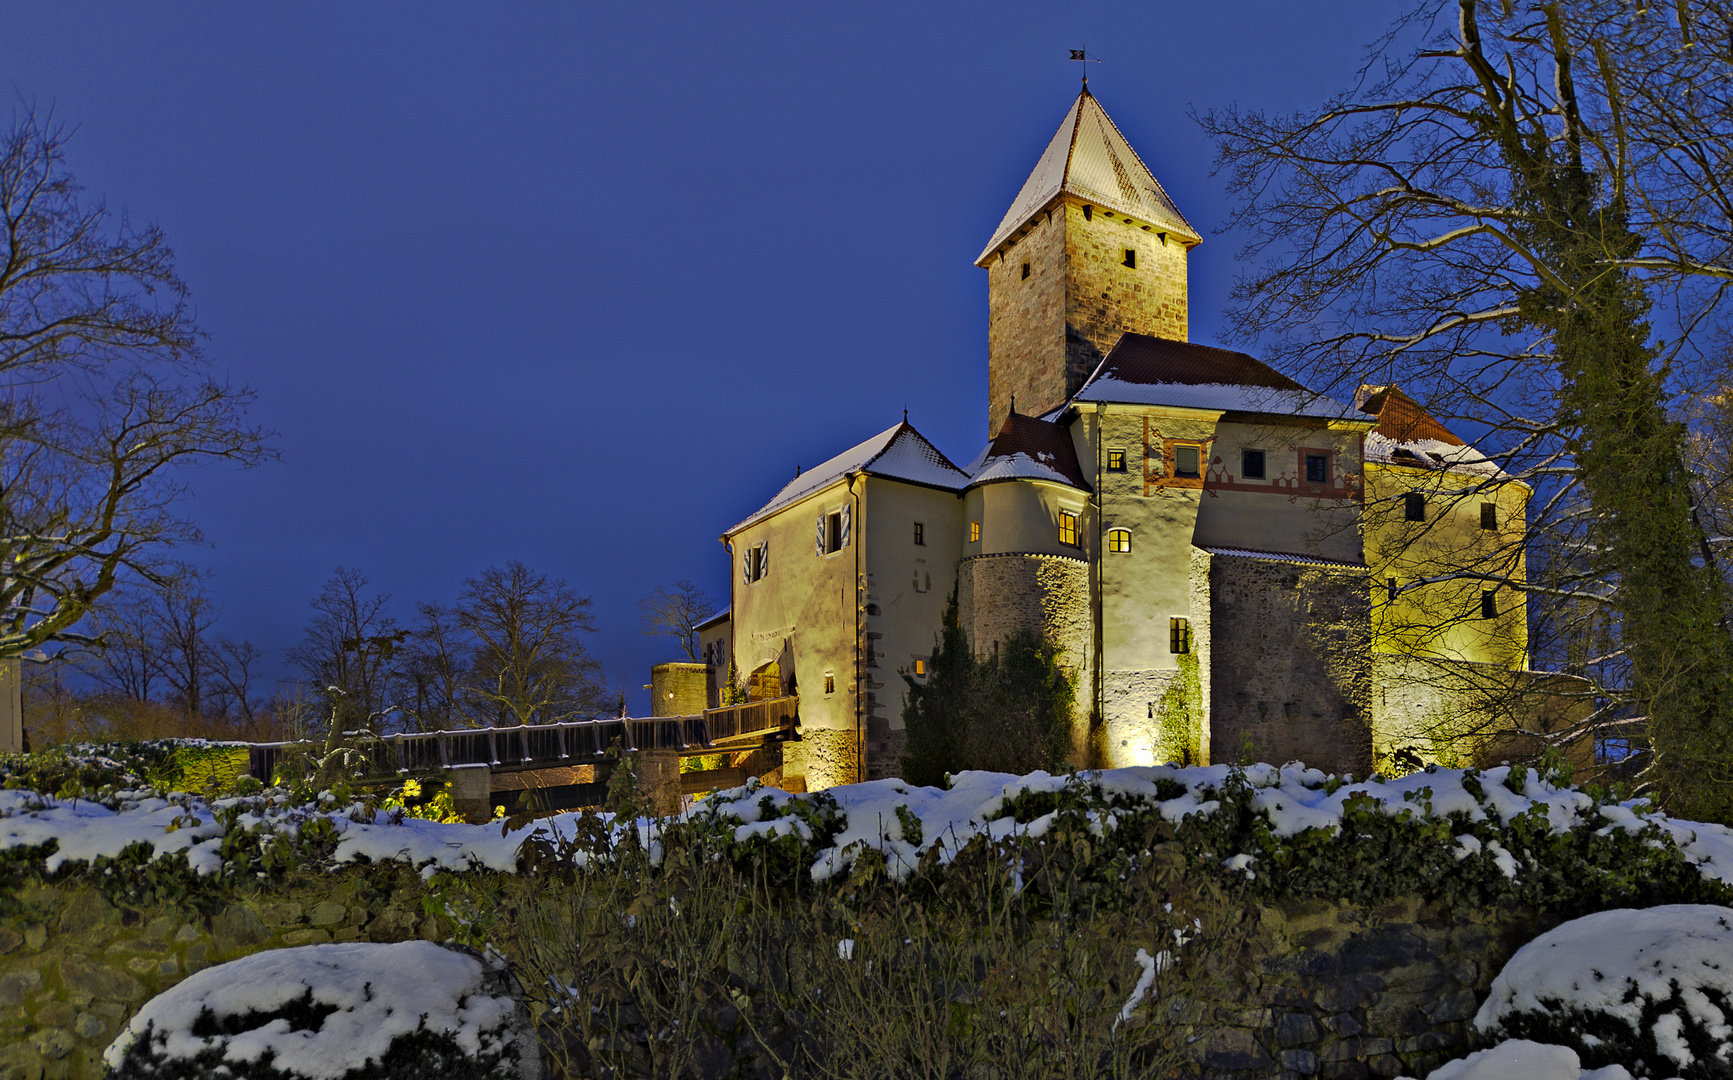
{"x":1082,"y":56}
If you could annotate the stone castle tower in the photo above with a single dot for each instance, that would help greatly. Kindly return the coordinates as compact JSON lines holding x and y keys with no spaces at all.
{"x":1091,"y":248}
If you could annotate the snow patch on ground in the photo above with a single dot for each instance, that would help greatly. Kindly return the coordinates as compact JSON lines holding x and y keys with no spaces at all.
{"x":1520,"y":1059}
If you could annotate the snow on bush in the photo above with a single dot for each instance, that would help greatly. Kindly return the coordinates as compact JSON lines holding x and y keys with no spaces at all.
{"x":1520,"y":1059}
{"x":329,"y":1012}
{"x":1626,"y":987}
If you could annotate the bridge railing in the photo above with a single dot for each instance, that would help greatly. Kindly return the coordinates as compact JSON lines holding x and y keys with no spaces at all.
{"x":530,"y":744}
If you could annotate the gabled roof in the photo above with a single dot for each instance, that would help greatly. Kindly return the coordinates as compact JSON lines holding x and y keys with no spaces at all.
{"x":900,"y":453}
{"x":1410,"y":436}
{"x":1028,"y":448}
{"x":1089,"y":158}
{"x":1144,"y":370}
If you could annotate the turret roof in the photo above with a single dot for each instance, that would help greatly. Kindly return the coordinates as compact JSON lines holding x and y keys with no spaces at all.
{"x":1089,"y":158}
{"x":1028,"y":448}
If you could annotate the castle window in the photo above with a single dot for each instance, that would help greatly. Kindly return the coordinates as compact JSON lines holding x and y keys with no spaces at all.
{"x":1317,"y":468}
{"x":1251,"y":464}
{"x":920,"y":534}
{"x":974,"y":532}
{"x":1488,"y":516}
{"x":1131,"y":258}
{"x":1025,"y":271}
{"x":1389,"y":590}
{"x":756,"y":562}
{"x":1067,"y":529}
{"x":1089,"y":213}
{"x":1179,"y":635}
{"x":1488,"y":604}
{"x":1119,"y":540}
{"x":1116,"y":461}
{"x":921,"y":668}
{"x":1185,"y":461}
{"x":1414,"y":506}
{"x":829,"y":683}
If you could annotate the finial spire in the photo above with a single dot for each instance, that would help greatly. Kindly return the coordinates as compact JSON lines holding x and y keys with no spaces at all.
{"x":905,"y":414}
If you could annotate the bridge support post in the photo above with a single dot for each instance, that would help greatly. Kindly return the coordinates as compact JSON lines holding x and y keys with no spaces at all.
{"x":659,"y":780}
{"x":470,"y":790}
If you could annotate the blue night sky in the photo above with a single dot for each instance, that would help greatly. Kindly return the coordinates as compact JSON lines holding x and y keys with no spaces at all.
{"x":580,"y":284}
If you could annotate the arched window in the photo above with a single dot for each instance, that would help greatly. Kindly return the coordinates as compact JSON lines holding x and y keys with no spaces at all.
{"x":1119,"y":540}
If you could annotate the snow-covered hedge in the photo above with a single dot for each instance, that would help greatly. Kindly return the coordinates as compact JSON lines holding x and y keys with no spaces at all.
{"x":332,"y":1012}
{"x":1462,"y":836}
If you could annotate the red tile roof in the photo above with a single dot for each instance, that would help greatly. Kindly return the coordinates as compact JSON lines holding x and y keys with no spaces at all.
{"x":1401,"y":419}
{"x":1045,"y":446}
{"x":1139,"y":358}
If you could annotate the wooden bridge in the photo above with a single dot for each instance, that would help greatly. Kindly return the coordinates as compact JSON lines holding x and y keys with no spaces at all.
{"x":567,"y":754}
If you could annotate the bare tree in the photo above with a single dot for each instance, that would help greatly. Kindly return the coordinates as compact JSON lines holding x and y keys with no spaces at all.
{"x":1495,"y":217}
{"x":234,"y":670}
{"x":435,"y":669}
{"x":128,"y":663}
{"x":184,"y":614}
{"x":529,"y":662}
{"x":350,"y":648}
{"x":676,"y":612}
{"x":104,"y":396}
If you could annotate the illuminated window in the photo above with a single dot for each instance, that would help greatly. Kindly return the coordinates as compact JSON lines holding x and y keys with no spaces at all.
{"x":1179,"y":635}
{"x":1488,"y":516}
{"x":1251,"y":464}
{"x":829,"y":683}
{"x":1067,"y":529}
{"x":920,"y":667}
{"x":974,"y":532}
{"x":1185,"y":461}
{"x":1131,"y":258}
{"x":1116,"y":461}
{"x":1119,"y":540}
{"x":1025,"y":271}
{"x":1414,"y":506}
{"x":920,"y":534}
{"x":1317,"y":468}
{"x":1488,"y":604}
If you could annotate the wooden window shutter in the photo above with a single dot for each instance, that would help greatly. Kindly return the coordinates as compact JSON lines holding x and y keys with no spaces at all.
{"x":764,"y":559}
{"x":847,"y":512}
{"x":820,"y":535}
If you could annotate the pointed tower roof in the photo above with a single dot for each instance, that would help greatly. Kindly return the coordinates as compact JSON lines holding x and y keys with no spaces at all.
{"x":1089,"y":158}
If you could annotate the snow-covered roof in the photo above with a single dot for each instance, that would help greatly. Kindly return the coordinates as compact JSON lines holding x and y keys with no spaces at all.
{"x":1281,"y":556}
{"x":1028,"y":448}
{"x":899,"y":453}
{"x":718,"y":617}
{"x":1145,"y":370}
{"x":1089,"y":158}
{"x":1408,"y":435}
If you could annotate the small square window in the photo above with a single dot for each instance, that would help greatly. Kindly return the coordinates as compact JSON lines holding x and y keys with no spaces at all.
{"x":920,"y":534}
{"x":1488,"y":604}
{"x":974,"y":532}
{"x":1179,"y":635}
{"x":1390,"y":590}
{"x":1131,"y":258}
{"x":1089,"y":213}
{"x":1414,"y":506}
{"x":1116,"y":461}
{"x":920,"y":667}
{"x":1067,"y":529}
{"x":1317,"y":468}
{"x":1185,"y":461}
{"x":1251,"y":465}
{"x":1025,"y":271}
{"x":1488,"y":516}
{"x":1119,"y":540}
{"x":829,"y":683}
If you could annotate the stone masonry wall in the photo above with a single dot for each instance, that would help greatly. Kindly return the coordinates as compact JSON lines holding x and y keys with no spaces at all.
{"x":1290,"y":663}
{"x":74,"y":968}
{"x":999,"y":595}
{"x":1342,"y":992}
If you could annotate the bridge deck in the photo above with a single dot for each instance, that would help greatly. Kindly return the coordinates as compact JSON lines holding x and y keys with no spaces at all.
{"x":539,"y":746}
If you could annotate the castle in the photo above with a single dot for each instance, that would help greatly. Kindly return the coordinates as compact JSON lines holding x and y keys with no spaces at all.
{"x":1223,"y":556}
